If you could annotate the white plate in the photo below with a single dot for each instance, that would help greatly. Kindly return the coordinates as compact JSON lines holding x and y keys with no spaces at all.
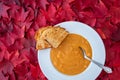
{"x":98,"y":54}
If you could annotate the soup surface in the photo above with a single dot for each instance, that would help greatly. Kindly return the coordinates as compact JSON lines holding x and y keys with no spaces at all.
{"x":68,"y":58}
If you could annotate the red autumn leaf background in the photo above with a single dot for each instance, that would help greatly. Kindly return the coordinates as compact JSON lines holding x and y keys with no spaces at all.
{"x":19,"y":19}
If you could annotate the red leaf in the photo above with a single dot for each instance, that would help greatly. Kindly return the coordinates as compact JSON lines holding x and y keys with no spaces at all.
{"x":19,"y":31}
{"x":50,"y":14}
{"x":115,"y":63}
{"x":30,"y":54}
{"x":8,"y":2}
{"x":31,"y":15}
{"x":30,"y":33}
{"x":40,"y":20}
{"x":13,"y":10}
{"x":30,"y":3}
{"x":23,"y":53}
{"x":27,"y":43}
{"x":3,"y":28}
{"x":14,"y":57}
{"x":3,"y":10}
{"x":18,"y":13}
{"x":21,"y":44}
{"x":8,"y":39}
{"x":21,"y":15}
{"x":2,"y":77}
{"x":57,"y":3}
{"x":116,"y":35}
{"x":108,"y":29}
{"x":88,"y":18}
{"x":101,"y":33}
{"x":100,"y":9}
{"x":115,"y":14}
{"x":113,"y":53}
{"x":18,"y":45}
{"x":2,"y":51}
{"x":7,"y":55}
{"x":70,"y":1}
{"x":21,"y":71}
{"x":117,"y":3}
{"x":24,"y":25}
{"x":34,"y":26}
{"x":80,"y":5}
{"x":42,"y":4}
{"x":115,"y":74}
{"x":35,"y":70}
{"x":68,"y":12}
{"x":6,"y":68}
{"x":109,"y":3}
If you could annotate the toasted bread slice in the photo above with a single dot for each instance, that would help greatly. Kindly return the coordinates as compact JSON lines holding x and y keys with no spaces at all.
{"x":40,"y":31}
{"x":50,"y":37}
{"x":40,"y":42}
{"x":55,"y":36}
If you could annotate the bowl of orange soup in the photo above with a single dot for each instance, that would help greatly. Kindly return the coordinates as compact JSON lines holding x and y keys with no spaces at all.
{"x":66,"y":62}
{"x":68,"y":58}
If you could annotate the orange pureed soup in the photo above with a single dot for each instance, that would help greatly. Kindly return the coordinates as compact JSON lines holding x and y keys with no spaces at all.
{"x":68,"y":58}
